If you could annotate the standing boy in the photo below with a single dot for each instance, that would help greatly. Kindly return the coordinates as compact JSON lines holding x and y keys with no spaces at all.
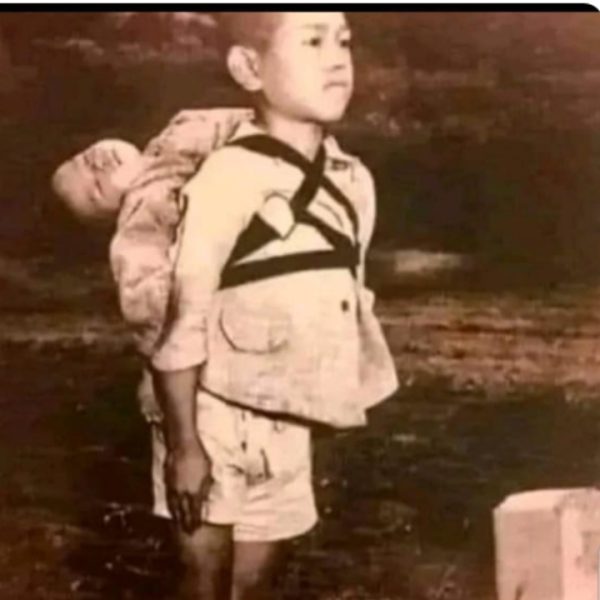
{"x":272,"y":327}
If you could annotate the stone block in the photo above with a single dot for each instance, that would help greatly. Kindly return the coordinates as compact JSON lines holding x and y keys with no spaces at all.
{"x":548,"y":545}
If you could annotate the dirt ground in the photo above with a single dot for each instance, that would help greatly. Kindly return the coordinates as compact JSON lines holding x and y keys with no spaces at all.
{"x":499,"y":394}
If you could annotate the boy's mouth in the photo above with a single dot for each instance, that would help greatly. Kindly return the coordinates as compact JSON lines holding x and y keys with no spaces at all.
{"x":336,"y":85}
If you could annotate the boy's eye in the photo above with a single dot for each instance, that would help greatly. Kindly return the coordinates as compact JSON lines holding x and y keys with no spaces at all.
{"x":346,"y":42}
{"x":313,"y":41}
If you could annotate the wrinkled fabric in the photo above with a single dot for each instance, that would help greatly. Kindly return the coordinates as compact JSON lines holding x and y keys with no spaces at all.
{"x":261,"y":472}
{"x":305,"y":344}
{"x":143,"y":247}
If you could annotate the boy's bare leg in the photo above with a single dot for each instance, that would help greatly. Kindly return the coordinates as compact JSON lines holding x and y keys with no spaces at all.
{"x":207,"y":557}
{"x":255,"y":565}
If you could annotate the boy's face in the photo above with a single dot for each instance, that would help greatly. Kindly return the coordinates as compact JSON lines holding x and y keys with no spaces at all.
{"x":306,"y":71}
{"x":92,"y":183}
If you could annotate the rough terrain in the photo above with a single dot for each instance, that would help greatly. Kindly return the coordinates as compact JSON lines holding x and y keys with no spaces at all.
{"x":499,"y":393}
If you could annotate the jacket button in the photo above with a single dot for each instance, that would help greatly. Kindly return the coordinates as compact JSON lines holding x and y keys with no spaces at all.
{"x":345,"y":305}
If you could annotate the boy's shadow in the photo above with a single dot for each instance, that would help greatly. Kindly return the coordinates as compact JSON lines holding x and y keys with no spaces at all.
{"x":124,"y":551}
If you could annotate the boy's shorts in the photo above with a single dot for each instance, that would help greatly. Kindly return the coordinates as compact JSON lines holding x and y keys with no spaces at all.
{"x":261,"y":470}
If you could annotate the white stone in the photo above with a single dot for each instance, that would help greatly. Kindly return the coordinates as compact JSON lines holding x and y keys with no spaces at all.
{"x":548,"y":545}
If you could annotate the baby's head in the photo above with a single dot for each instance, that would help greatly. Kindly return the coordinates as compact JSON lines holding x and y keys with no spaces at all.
{"x":298,"y":65}
{"x":92,"y":184}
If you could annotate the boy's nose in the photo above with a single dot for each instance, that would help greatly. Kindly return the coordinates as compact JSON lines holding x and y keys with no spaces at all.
{"x":337,"y":61}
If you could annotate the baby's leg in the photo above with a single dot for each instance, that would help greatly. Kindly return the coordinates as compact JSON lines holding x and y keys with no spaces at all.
{"x":206,"y":556}
{"x":255,"y":565}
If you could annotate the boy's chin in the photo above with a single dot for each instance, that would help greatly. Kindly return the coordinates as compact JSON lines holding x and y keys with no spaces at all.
{"x":329,"y":117}
{"x":322,"y":116}
{"x":333,"y":114}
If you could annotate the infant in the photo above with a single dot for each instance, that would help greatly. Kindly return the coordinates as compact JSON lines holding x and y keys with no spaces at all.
{"x":112,"y":181}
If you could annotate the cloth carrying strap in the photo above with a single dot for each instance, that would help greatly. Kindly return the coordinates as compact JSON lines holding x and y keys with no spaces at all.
{"x":343,"y":254}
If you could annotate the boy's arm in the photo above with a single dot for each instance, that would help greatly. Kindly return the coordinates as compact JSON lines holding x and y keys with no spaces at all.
{"x":220,"y":204}
{"x":142,"y":266}
{"x":367,"y":217}
{"x":176,"y":392}
{"x":219,"y":207}
{"x":187,"y":466}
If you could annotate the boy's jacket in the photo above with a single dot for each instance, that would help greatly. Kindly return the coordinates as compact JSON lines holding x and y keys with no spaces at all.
{"x":142,"y":256}
{"x":305,"y":344}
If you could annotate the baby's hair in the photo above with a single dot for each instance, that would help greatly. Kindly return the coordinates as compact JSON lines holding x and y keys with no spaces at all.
{"x":250,"y":29}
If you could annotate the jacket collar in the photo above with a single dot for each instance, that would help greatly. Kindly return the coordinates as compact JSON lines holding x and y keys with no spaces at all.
{"x":336,"y":157}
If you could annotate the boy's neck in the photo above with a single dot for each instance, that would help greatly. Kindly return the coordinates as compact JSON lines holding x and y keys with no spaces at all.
{"x":302,"y":136}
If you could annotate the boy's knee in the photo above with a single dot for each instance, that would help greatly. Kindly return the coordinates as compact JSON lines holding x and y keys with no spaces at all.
{"x":246,"y":578}
{"x":206,"y":551}
{"x":206,"y":561}
{"x":248,"y":585}
{"x":254,"y":579}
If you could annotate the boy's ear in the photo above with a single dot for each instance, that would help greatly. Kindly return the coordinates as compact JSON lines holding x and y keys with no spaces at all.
{"x":243,"y":66}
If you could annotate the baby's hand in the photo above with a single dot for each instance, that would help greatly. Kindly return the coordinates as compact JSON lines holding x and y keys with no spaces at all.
{"x":104,"y":156}
{"x":93,"y":182}
{"x":115,"y":164}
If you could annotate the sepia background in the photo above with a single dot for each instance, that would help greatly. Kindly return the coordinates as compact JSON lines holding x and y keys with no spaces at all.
{"x":483,"y":132}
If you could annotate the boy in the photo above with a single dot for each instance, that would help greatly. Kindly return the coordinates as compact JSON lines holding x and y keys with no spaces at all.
{"x":271,"y":327}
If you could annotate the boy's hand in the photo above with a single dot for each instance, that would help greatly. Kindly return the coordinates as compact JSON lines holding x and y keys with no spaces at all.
{"x":187,"y":477}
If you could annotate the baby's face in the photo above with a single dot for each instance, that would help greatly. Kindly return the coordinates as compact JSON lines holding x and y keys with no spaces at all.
{"x":93,"y":183}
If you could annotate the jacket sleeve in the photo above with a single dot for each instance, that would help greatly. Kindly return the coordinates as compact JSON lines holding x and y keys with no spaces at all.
{"x":220,"y":203}
{"x":367,"y":209}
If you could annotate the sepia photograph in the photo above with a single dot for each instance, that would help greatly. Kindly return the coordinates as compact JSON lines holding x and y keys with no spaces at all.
{"x":300,"y":305}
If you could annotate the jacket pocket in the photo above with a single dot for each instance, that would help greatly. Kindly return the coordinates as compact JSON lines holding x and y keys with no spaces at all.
{"x":255,"y":331}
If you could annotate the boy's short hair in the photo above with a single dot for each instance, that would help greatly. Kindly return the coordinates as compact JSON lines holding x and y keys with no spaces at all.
{"x":249,"y":29}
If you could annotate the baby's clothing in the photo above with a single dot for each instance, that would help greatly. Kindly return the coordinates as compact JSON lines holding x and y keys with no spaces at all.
{"x":143,"y":246}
